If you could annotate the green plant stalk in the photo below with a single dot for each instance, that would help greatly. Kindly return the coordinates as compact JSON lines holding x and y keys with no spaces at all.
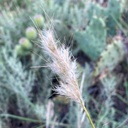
{"x":87,"y":114}
{"x":21,"y":118}
{"x":119,"y":25}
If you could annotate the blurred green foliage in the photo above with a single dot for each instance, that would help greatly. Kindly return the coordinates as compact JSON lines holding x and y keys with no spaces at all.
{"x":85,"y":26}
{"x":93,"y":40}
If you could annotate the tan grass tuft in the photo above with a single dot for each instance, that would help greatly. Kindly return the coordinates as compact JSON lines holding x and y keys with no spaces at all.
{"x":63,"y":66}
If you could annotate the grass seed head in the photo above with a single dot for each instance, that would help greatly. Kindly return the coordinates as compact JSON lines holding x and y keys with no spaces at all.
{"x":62,"y":64}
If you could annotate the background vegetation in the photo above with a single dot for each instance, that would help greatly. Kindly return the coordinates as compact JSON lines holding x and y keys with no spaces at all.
{"x":96,"y":32}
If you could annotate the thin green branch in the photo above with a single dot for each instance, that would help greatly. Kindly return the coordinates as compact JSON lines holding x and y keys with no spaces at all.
{"x":20,"y":118}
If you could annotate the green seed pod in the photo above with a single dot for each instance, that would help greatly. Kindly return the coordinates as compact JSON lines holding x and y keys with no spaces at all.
{"x":25,"y":43}
{"x":19,"y":51}
{"x":39,"y":20}
{"x":31,"y":33}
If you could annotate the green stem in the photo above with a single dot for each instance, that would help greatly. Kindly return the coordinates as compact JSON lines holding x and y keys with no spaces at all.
{"x":20,"y":118}
{"x":87,"y":114}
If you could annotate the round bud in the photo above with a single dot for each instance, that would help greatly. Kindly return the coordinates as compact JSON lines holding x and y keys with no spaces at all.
{"x":39,"y":20}
{"x":31,"y":33}
{"x":19,"y":50}
{"x":25,"y":43}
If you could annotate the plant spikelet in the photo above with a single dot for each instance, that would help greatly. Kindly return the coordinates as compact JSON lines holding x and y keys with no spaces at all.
{"x":62,"y":64}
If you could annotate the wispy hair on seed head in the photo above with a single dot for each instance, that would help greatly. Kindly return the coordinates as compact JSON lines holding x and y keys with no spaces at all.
{"x":61,"y":64}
